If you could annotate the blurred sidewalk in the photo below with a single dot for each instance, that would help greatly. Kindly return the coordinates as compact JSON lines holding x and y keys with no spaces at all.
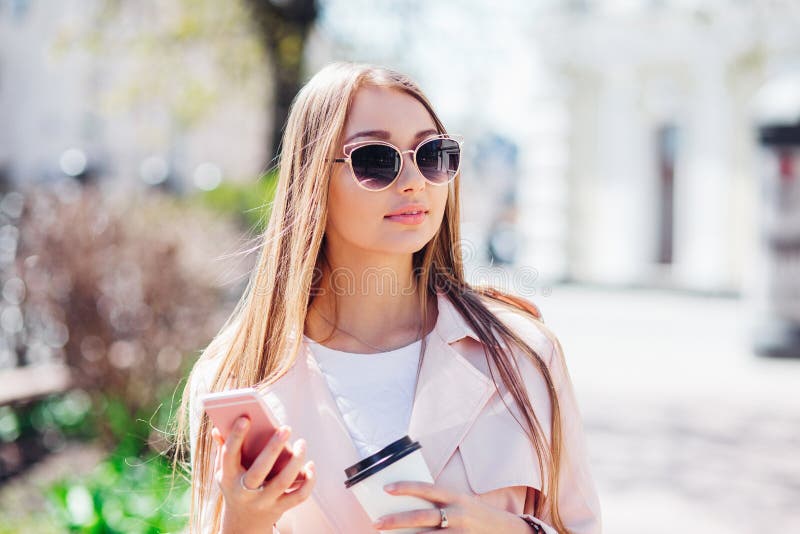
{"x":687,"y":430}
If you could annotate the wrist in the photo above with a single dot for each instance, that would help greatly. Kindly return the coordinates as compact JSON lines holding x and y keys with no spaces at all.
{"x":233,"y":526}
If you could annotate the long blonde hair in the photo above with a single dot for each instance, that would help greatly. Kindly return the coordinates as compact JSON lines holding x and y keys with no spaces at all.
{"x":261,"y":338}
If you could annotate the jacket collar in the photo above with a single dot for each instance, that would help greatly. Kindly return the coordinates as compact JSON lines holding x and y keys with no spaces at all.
{"x":450,"y":394}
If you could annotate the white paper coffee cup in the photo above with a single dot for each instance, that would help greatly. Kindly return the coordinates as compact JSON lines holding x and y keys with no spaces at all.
{"x":400,"y":460}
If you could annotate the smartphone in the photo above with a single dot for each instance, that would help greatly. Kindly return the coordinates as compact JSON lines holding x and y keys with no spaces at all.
{"x":225,"y":407}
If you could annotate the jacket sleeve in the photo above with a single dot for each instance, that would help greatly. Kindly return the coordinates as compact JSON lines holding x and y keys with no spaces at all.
{"x":578,"y":502}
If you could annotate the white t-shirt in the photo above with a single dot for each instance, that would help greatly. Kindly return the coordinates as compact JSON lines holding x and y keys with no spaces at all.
{"x":374,"y":392}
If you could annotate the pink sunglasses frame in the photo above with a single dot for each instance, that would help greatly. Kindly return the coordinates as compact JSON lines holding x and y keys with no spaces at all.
{"x":348,"y":150}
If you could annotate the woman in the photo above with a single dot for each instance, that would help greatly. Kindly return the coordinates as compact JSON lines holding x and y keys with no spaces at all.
{"x":347,"y":297}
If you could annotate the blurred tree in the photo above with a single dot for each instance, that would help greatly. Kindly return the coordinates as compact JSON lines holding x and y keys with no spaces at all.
{"x":193,"y":56}
{"x":164,"y":69}
{"x":284,"y":27}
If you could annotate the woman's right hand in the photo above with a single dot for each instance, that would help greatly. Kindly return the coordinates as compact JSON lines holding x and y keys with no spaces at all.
{"x":245,"y":509}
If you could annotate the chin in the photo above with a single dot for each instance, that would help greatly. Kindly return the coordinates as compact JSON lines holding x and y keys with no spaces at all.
{"x":404,"y":246}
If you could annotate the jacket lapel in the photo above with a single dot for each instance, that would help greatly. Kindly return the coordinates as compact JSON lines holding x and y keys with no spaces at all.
{"x":450,"y":394}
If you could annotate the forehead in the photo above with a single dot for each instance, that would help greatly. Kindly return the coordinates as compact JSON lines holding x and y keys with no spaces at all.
{"x":380,"y":108}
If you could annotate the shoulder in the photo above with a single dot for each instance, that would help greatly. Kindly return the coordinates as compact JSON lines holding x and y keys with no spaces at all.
{"x":522,"y":316}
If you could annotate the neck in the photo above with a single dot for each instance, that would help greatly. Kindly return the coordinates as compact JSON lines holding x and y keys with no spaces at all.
{"x":373,"y":302}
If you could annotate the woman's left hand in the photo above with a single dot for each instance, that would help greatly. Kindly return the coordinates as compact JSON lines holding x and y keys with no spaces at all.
{"x":465,"y":513}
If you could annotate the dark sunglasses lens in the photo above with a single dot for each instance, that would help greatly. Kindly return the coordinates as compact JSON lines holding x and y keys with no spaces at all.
{"x":438,"y":160}
{"x":375,"y":166}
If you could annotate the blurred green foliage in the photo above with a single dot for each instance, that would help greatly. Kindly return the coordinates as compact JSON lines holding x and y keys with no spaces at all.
{"x":250,"y":202}
{"x":125,"y":494}
{"x":133,"y":490}
{"x":65,"y":415}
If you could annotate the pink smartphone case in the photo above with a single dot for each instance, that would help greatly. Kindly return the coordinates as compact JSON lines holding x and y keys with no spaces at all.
{"x":225,"y":407}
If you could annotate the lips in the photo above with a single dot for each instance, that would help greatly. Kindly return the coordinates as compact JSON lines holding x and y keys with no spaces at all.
{"x":409,"y":209}
{"x":413,"y":219}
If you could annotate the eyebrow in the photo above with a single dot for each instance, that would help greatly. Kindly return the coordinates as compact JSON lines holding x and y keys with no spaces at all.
{"x":385,"y":135}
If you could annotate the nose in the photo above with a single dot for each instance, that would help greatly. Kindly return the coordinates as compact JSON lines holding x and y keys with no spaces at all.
{"x":410,"y":177}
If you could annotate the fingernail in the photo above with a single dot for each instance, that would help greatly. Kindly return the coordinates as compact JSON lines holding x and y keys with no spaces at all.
{"x":241,"y":424}
{"x":300,"y":445}
{"x":283,"y":433}
{"x":378,"y":523}
{"x":390,"y":487}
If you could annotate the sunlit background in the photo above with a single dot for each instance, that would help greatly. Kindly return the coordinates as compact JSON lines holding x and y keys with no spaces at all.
{"x":631,"y":166}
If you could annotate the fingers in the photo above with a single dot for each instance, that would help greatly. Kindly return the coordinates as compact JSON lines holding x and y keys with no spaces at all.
{"x":232,"y":449}
{"x":265,"y":460}
{"x":284,"y":479}
{"x":290,"y":500}
{"x":425,"y":490}
{"x":413,"y":518}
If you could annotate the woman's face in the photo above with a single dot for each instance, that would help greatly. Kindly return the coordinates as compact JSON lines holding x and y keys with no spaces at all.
{"x":357,"y":218}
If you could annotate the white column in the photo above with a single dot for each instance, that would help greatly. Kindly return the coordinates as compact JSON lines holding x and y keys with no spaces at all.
{"x":622,"y":220}
{"x":703,"y":184}
{"x":543,"y":194}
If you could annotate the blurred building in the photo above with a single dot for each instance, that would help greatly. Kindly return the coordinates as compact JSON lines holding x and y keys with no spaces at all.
{"x":663,"y":184}
{"x":632,"y":120}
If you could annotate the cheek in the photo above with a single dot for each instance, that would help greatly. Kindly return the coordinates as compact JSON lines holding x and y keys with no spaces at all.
{"x":350,"y":207}
{"x":439,"y":198}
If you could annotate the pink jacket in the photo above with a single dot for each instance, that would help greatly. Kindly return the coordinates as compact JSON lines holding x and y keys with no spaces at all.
{"x":470,"y":441}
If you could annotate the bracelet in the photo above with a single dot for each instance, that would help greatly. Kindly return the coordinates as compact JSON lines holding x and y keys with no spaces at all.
{"x":529,"y":519}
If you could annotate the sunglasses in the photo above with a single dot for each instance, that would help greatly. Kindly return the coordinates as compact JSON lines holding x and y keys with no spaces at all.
{"x":377,"y":164}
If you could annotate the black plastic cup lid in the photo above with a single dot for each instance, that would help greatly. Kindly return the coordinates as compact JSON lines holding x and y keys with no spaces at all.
{"x":381,"y":459}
